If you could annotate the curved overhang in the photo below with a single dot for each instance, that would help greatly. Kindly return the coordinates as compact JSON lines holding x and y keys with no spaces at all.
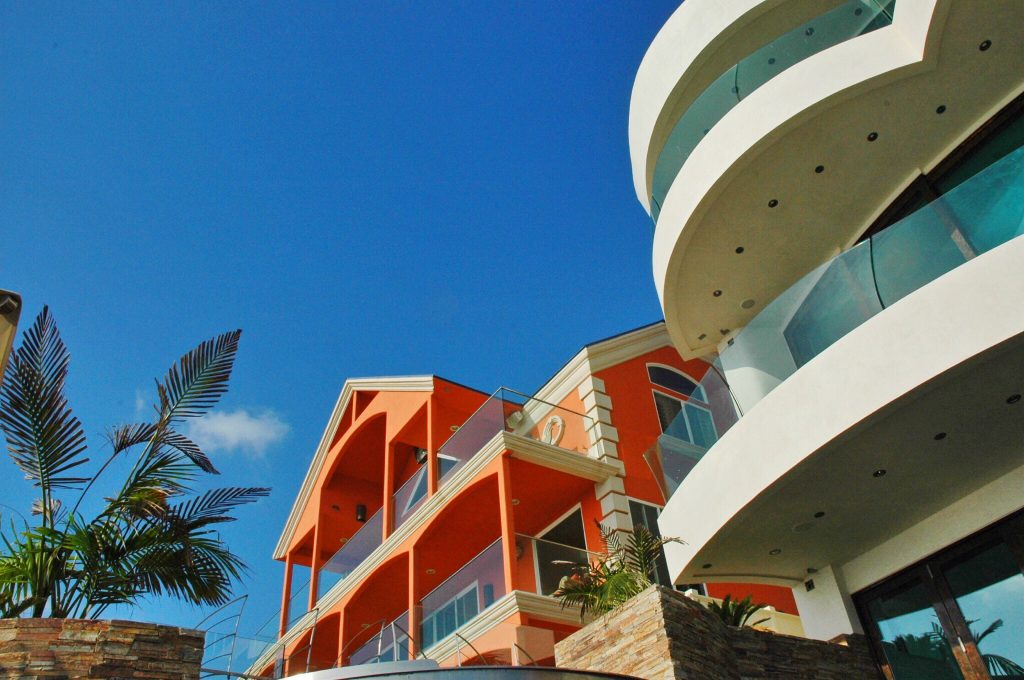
{"x":923,"y":391}
{"x":700,"y":41}
{"x":749,"y":212}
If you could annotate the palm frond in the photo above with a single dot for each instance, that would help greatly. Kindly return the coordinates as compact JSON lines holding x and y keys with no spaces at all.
{"x":190,"y":449}
{"x":44,"y":438}
{"x":126,"y":436}
{"x":213,"y":506}
{"x":199,"y":379}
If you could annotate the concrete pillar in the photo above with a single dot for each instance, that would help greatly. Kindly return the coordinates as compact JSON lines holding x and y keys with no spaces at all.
{"x":826,"y":610}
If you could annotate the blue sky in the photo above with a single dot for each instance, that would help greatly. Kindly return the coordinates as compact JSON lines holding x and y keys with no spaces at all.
{"x":365,"y":188}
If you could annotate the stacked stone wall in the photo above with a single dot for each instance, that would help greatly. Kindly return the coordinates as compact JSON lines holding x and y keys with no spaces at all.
{"x":663,"y":635}
{"x":74,"y":648}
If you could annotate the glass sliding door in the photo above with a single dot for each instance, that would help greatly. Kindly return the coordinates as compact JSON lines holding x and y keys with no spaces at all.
{"x":957,"y":615}
{"x":988,"y":587}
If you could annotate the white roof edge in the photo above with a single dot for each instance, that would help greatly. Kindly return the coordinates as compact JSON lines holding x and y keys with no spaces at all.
{"x":600,"y":355}
{"x":404,"y":383}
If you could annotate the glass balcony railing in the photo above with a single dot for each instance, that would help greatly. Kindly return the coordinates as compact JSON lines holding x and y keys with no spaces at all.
{"x":702,"y":419}
{"x":229,"y":653}
{"x":826,"y":304}
{"x":298,"y":606}
{"x":391,"y":643}
{"x":463,"y":596}
{"x":551,"y":561}
{"x":847,"y":21}
{"x":349,"y":556}
{"x":510,"y":411}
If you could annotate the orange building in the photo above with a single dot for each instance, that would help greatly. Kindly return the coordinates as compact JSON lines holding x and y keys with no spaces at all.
{"x":437,"y":520}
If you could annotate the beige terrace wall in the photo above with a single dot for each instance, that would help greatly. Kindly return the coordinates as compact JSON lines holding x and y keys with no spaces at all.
{"x":662,"y":635}
{"x":75,"y":648}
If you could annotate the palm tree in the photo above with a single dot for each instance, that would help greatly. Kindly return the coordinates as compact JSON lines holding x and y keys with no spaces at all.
{"x":154,"y":536}
{"x":737,"y":612}
{"x":624,"y":570}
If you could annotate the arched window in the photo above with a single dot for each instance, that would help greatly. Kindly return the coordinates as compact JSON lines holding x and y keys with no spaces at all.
{"x":685,"y":415}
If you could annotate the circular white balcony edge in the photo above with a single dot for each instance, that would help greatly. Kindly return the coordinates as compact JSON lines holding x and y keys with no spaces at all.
{"x":960,"y":315}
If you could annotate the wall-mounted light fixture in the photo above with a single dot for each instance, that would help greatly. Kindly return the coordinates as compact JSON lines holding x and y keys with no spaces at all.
{"x":421,"y":455}
{"x":360,"y":512}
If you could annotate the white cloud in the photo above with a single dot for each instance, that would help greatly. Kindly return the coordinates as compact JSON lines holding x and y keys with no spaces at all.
{"x":140,"y":402}
{"x":238,"y":430}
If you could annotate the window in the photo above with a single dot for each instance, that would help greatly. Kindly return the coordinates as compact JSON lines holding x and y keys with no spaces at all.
{"x":451,"y":616}
{"x":558,"y":549}
{"x":646,"y":515}
{"x":675,"y":381}
{"x":687,"y":417}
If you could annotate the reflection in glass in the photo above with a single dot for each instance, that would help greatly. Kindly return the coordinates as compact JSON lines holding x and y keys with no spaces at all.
{"x":912,"y":639}
{"x":989,"y":590}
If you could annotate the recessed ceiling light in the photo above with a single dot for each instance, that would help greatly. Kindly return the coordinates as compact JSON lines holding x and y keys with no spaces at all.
{"x":1013,"y":399}
{"x":515,"y":501}
{"x":775,"y":551}
{"x":985,"y":44}
{"x":702,"y":336}
{"x":939,"y":436}
{"x":707,"y":565}
{"x":872,"y":136}
{"x":723,"y":331}
{"x":717,"y":293}
{"x":772,"y":203}
{"x":941,"y":110}
{"x":739,"y":250}
{"x":431,"y":572}
{"x":880,"y":472}
{"x":820,"y":169}
{"x":812,"y":570}
{"x":747,"y":304}
{"x":819,"y":514}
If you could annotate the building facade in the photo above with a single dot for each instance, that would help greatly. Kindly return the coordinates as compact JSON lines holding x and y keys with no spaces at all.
{"x":837,"y":189}
{"x":436,"y":520}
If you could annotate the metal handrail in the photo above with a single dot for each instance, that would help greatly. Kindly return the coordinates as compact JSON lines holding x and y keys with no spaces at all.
{"x":458,"y":651}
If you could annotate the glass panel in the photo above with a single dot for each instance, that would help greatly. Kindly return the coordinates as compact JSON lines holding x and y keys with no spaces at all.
{"x":409,"y":496}
{"x":989,"y":589}
{"x":978,"y":215}
{"x":352,"y":554}
{"x":388,"y":643}
{"x":849,"y":20}
{"x":519,"y":414}
{"x":298,"y":602}
{"x":912,"y":638}
{"x":843,"y":297}
{"x":701,"y":424}
{"x":463,"y":595}
{"x":670,"y":416}
{"x":552,"y":561}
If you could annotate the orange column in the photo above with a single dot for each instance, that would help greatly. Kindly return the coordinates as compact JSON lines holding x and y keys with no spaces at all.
{"x":432,"y":467}
{"x":389,"y":488}
{"x":415,"y":613}
{"x":508,"y":525}
{"x":314,"y":571}
{"x":286,"y":595}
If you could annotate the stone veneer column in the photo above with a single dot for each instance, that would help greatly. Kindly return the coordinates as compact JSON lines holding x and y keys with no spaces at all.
{"x":662,"y":635}
{"x":74,"y":648}
{"x":604,"y":446}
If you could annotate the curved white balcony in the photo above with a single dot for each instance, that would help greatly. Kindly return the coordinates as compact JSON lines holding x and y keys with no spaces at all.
{"x":796,"y":171}
{"x":913,"y":411}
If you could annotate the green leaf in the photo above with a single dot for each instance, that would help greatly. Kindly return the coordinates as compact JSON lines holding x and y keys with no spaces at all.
{"x":199,"y":379}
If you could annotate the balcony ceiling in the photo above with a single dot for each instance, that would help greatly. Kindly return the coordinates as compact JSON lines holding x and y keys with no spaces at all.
{"x":983,"y":440}
{"x":719,"y":202}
